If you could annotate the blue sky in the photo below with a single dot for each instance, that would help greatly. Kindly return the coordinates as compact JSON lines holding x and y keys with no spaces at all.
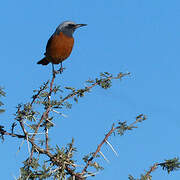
{"x":141,"y":37}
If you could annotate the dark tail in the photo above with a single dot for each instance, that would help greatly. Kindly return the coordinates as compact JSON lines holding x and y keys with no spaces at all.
{"x":43,"y":61}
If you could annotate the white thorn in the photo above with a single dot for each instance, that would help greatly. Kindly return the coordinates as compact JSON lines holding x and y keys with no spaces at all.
{"x":27,"y":124}
{"x":50,"y":122}
{"x":20,"y":146}
{"x":112,"y":148}
{"x":90,"y":174}
{"x":64,"y":115}
{"x":36,"y":133}
{"x":28,"y":146}
{"x":104,"y":157}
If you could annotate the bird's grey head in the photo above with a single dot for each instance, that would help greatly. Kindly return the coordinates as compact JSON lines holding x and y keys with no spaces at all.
{"x":68,"y":28}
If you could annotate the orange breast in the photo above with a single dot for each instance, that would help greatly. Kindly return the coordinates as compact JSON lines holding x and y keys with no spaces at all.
{"x":59,"y":48}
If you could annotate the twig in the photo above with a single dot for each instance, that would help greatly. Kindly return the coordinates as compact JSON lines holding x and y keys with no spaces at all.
{"x":87,"y":88}
{"x":47,"y":139}
{"x":44,"y":116}
{"x":14,"y":135}
{"x":38,"y":93}
{"x":22,"y":123}
{"x":49,"y":99}
{"x":41,"y":120}
{"x":76,"y":92}
{"x":51,"y":156}
{"x":12,"y":127}
{"x":22,"y":127}
{"x":98,"y":149}
{"x":153,"y":168}
{"x":113,"y":129}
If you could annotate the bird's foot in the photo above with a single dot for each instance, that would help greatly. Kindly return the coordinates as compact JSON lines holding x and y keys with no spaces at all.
{"x":61,"y":70}
{"x":55,"y":72}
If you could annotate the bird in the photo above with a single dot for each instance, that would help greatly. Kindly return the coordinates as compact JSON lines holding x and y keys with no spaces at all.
{"x":60,"y":44}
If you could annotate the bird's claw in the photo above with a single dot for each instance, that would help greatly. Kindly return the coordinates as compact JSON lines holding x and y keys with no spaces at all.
{"x":55,"y":72}
{"x":61,"y":70}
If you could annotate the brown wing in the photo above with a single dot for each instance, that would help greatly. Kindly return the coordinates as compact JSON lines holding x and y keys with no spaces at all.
{"x":49,"y":42}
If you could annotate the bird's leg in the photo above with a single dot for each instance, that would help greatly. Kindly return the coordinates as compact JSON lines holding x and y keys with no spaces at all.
{"x":52,"y":67}
{"x":53,"y":71}
{"x":61,"y":68}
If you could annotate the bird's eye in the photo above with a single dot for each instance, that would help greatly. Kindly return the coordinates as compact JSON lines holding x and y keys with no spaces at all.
{"x":71,"y":25}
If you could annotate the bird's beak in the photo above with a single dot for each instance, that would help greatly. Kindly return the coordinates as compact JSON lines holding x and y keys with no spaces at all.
{"x":80,"y":25}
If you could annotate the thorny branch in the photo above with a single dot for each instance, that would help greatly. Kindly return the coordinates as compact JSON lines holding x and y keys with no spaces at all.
{"x":152,"y":168}
{"x":78,"y":176}
{"x":3,"y":132}
{"x":38,"y":93}
{"x":139,"y":118}
{"x":53,"y":159}
{"x":98,"y":82}
{"x":104,"y":83}
{"x":168,"y":165}
{"x":43,"y":151}
{"x":44,"y":116}
{"x":98,"y":149}
{"x":47,"y":112}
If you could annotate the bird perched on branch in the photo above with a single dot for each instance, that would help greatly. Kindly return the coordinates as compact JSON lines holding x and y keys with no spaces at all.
{"x":60,"y":44}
